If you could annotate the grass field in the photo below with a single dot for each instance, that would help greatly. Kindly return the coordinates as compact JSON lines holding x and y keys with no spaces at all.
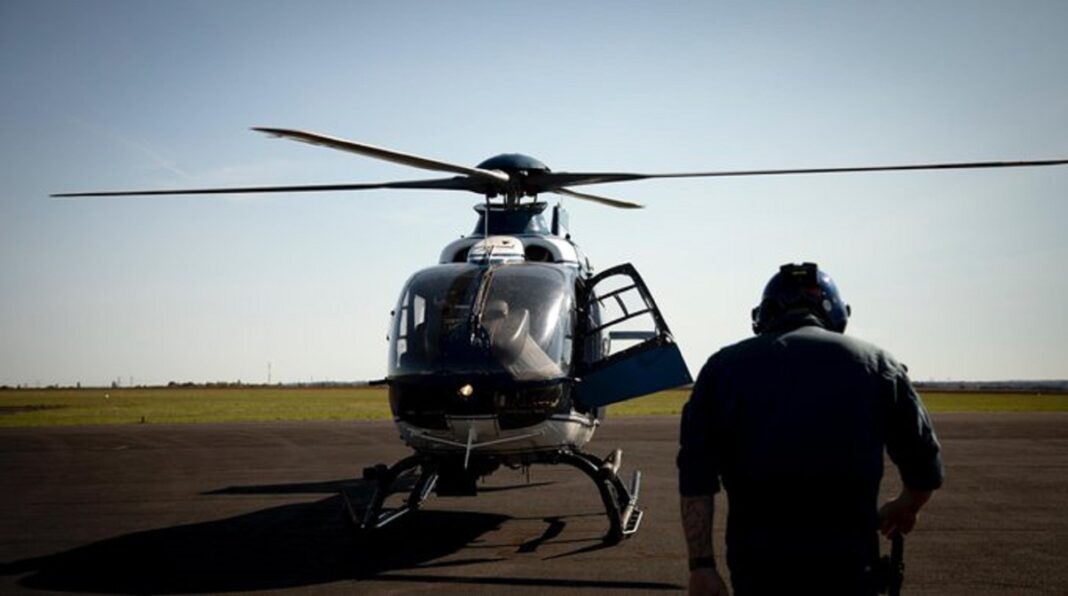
{"x":44,"y":407}
{"x":671,"y":402}
{"x":47,"y":407}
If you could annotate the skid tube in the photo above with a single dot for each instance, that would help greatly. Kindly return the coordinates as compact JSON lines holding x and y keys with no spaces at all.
{"x":620,"y":502}
{"x":374,"y":515}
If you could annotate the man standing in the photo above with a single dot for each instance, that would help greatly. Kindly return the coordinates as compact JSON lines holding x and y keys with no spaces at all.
{"x":793,"y":423}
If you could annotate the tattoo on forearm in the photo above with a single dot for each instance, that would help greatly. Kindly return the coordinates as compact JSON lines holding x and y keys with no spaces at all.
{"x":697,"y":525}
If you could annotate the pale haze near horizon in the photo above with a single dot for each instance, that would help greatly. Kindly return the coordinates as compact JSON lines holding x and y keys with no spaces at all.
{"x":960,"y":274}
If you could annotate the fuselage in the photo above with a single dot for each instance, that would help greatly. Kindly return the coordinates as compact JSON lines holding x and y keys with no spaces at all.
{"x":485,"y":345}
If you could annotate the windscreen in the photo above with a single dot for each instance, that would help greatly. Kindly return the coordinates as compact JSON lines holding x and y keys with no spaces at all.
{"x":511,"y":319}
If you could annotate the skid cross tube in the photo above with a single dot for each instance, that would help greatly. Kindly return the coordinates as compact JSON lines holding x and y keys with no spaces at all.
{"x":620,"y":503}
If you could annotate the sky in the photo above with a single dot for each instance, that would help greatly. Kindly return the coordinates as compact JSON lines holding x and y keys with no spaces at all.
{"x":959,"y":274}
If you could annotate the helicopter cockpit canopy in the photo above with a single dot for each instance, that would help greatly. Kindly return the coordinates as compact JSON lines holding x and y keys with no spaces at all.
{"x":514,"y":319}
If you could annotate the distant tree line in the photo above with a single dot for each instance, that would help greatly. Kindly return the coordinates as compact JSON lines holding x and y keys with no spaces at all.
{"x":995,"y":386}
{"x":945,"y":386}
{"x":193,"y":385}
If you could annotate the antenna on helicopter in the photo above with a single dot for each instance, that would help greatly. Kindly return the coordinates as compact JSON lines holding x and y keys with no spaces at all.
{"x":560,"y":225}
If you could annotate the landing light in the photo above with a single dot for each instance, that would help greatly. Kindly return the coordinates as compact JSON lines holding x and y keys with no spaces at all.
{"x":466,"y":391}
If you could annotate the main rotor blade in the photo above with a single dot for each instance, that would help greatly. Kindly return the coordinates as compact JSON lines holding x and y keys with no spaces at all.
{"x":457,"y":183}
{"x":406,"y":159}
{"x":551,"y":180}
{"x":597,"y":199}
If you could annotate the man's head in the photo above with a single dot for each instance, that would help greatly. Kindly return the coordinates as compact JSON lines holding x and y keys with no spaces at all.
{"x":796,"y":291}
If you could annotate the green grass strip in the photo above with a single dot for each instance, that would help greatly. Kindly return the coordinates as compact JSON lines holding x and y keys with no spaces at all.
{"x":671,"y":402}
{"x":46,"y":407}
{"x":995,"y":402}
{"x":50,"y":407}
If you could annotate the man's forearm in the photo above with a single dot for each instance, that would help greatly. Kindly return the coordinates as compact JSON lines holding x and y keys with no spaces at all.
{"x":697,"y":525}
{"x":913,"y":498}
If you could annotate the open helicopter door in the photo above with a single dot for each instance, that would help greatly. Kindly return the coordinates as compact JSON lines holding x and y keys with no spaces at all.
{"x":628,"y":348}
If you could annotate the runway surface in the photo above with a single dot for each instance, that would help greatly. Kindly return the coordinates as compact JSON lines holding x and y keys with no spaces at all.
{"x":246,"y":507}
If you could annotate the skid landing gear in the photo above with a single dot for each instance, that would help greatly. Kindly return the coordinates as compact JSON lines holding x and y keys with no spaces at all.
{"x":620,"y":502}
{"x":374,"y":515}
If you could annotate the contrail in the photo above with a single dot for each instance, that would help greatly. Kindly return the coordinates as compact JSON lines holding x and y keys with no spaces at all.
{"x":157,"y":159}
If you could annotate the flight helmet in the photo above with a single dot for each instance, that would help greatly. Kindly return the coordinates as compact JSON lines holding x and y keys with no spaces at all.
{"x":796,"y":289}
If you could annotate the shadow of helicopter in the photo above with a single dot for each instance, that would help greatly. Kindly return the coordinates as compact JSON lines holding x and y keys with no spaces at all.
{"x":289,"y":546}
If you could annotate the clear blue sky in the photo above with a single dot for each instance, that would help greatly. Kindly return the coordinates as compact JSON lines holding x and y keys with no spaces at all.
{"x":959,"y":274}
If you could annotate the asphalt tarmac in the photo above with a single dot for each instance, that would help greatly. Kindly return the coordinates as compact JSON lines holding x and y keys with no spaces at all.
{"x":247,"y":507}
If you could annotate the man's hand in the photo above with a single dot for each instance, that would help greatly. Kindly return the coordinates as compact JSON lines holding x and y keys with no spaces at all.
{"x":707,"y":582}
{"x":898,"y":515}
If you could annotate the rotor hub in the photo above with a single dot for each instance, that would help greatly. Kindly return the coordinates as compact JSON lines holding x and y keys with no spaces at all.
{"x":518,"y":167}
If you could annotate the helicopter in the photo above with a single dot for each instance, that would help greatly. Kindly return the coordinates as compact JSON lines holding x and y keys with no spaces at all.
{"x":508,"y":351}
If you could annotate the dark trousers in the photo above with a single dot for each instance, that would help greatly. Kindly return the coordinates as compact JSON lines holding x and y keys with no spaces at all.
{"x":759,"y":570}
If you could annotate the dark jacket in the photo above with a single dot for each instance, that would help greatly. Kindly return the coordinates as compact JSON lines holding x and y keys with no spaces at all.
{"x":794,"y":424}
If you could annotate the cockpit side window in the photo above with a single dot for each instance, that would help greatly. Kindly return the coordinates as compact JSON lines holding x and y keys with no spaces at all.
{"x":411,"y":329}
{"x":619,"y":316}
{"x":629,"y":349}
